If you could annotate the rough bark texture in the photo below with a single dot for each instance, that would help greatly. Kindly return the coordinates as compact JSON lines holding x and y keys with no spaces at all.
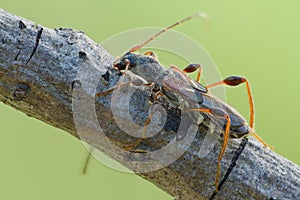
{"x":39,"y":76}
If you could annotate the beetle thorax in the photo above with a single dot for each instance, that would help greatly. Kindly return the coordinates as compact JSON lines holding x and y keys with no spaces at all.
{"x":145,"y":66}
{"x":151,"y":72}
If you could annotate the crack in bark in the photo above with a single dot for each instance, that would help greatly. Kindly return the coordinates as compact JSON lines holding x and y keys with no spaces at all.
{"x":17,"y":56}
{"x":236,"y":156}
{"x":37,"y":40}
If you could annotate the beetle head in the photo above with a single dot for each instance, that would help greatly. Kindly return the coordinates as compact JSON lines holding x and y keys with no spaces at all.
{"x":128,"y":58}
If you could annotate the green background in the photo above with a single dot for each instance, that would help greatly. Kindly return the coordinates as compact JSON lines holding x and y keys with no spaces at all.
{"x":256,"y":39}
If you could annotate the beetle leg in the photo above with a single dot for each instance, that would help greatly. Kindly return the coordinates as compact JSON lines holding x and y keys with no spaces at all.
{"x":234,"y":81}
{"x":131,"y":147}
{"x":261,"y":141}
{"x":220,"y":114}
{"x":189,"y":69}
{"x":237,"y":154}
{"x":193,"y":67}
{"x":120,"y":84}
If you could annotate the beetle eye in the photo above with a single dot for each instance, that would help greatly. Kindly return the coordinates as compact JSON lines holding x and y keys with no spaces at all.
{"x":119,"y":65}
{"x":156,"y":87}
{"x":115,"y":65}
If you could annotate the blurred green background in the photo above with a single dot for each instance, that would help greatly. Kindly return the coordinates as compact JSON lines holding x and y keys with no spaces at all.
{"x":256,"y":39}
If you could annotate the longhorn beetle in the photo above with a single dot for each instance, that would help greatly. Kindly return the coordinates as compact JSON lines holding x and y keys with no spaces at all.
{"x":168,"y":81}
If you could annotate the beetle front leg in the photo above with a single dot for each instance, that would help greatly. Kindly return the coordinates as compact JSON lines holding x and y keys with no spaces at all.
{"x":120,"y":84}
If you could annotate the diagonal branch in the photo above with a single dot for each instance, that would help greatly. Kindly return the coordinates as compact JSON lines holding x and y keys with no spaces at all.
{"x":39,"y":76}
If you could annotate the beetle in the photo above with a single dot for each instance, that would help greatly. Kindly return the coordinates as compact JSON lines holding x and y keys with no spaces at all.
{"x":176,"y":86}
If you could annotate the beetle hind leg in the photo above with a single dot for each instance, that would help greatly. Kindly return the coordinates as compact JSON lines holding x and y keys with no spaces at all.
{"x":220,"y":114}
{"x":261,"y":141}
{"x":237,"y":80}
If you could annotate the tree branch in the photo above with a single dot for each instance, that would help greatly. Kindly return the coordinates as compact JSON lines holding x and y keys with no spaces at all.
{"x":39,"y":76}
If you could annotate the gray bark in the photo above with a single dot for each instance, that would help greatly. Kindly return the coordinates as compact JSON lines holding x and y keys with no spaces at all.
{"x":39,"y":76}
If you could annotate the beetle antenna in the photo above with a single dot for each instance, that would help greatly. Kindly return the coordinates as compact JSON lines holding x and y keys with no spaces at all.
{"x":199,"y":14}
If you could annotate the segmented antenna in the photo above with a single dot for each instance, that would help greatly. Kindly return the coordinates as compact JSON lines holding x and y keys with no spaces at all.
{"x":200,"y":14}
